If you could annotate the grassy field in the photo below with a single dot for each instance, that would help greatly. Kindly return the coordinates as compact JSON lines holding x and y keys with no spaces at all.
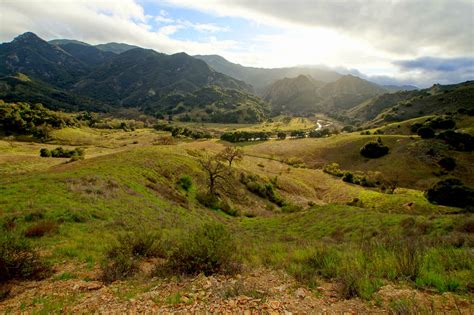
{"x":128,"y":182}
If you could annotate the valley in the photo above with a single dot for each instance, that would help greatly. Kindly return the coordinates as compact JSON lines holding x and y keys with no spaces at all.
{"x":137,"y":181}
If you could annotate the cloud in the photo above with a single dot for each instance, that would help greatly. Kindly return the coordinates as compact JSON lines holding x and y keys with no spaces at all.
{"x":415,"y":27}
{"x":433,"y":64}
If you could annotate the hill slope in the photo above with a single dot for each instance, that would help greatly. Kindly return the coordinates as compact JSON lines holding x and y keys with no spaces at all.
{"x":262,"y":77}
{"x":400,"y":106}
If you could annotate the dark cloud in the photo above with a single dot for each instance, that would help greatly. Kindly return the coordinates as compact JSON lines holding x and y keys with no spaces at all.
{"x":438,"y":64}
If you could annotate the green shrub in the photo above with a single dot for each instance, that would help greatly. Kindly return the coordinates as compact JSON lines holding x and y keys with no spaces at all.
{"x":448,"y":163}
{"x":458,"y":140}
{"x":208,"y":249}
{"x":207,"y":200}
{"x":426,"y":132}
{"x":451,"y":192}
{"x":18,"y":260}
{"x":333,"y":169}
{"x":348,"y":177}
{"x":185,"y":182}
{"x":122,"y":258}
{"x":281,"y":135}
{"x":374,"y":149}
{"x":45,"y":152}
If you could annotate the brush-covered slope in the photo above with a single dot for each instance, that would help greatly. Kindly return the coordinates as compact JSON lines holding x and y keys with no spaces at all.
{"x":21,"y":88}
{"x":116,"y":48}
{"x":438,"y":99}
{"x":294,"y":95}
{"x":35,"y":57}
{"x":212,"y":104}
{"x":260,"y":78}
{"x":87,"y":54}
{"x":139,"y":77}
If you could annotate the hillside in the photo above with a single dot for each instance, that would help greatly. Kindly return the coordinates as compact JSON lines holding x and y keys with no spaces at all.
{"x":296,"y":95}
{"x":303,"y":95}
{"x":21,"y":88}
{"x":116,"y":48}
{"x":211,"y":104}
{"x":438,"y":99}
{"x":129,"y":187}
{"x":260,"y":78}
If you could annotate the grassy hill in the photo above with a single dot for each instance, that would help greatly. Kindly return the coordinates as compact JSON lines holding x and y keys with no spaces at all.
{"x":130,"y":183}
{"x":405,"y":105}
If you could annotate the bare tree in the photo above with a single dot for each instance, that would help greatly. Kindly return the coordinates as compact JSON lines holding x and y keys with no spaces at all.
{"x":230,"y":154}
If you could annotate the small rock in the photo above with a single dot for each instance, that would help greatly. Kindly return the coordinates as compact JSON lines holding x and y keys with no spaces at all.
{"x":300,"y":293}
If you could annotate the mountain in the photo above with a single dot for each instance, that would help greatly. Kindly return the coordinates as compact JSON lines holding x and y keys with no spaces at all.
{"x":303,"y":95}
{"x":297,"y":95}
{"x":116,"y":48}
{"x":59,"y":42}
{"x":398,"y":88}
{"x":87,"y":54}
{"x":438,"y":99}
{"x":35,"y":57}
{"x":260,"y":78}
{"x":71,"y":75}
{"x":140,"y":77}
{"x":348,"y":91}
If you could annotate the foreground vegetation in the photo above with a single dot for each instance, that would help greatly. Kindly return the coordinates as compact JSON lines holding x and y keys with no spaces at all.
{"x":201,"y":206}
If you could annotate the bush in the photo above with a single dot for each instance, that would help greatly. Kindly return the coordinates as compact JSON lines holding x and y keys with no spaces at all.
{"x":374,"y":149}
{"x":414,"y":128}
{"x":348,"y":177}
{"x":207,"y":200}
{"x":426,"y":132}
{"x":60,"y":152}
{"x":208,"y":249}
{"x":451,"y":192}
{"x":448,"y":163}
{"x":45,"y":152}
{"x":458,"y":140}
{"x":281,"y":135}
{"x":18,"y":260}
{"x":121,"y":259}
{"x":42,"y":228}
{"x":185,"y":182}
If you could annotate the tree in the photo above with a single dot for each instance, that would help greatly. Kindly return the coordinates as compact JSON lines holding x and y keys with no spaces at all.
{"x":426,"y":132}
{"x":230,"y":154}
{"x":281,"y":135}
{"x":451,"y":192}
{"x":216,"y":171}
{"x":374,"y":149}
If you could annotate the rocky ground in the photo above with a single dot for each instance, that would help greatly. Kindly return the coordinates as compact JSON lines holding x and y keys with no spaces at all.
{"x":261,"y":291}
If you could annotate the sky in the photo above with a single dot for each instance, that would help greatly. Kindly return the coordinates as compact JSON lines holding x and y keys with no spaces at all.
{"x":418,"y":42}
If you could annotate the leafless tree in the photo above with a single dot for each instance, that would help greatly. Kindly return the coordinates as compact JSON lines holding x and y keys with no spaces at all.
{"x":216,"y":171}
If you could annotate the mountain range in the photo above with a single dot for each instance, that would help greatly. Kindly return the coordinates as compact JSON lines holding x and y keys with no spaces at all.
{"x":72,"y":75}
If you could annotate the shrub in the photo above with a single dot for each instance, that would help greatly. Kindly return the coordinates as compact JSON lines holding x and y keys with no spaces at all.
{"x":122,"y":258}
{"x":207,"y":200}
{"x":442,"y":123}
{"x":45,"y":152}
{"x":18,"y":260}
{"x":348,"y":177}
{"x":333,"y":169}
{"x":281,"y":135}
{"x":451,"y":192}
{"x":374,"y":149}
{"x":42,"y":228}
{"x":209,"y":249}
{"x":414,"y":128}
{"x":448,"y":163}
{"x":458,"y":140}
{"x":426,"y":132}
{"x":185,"y":182}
